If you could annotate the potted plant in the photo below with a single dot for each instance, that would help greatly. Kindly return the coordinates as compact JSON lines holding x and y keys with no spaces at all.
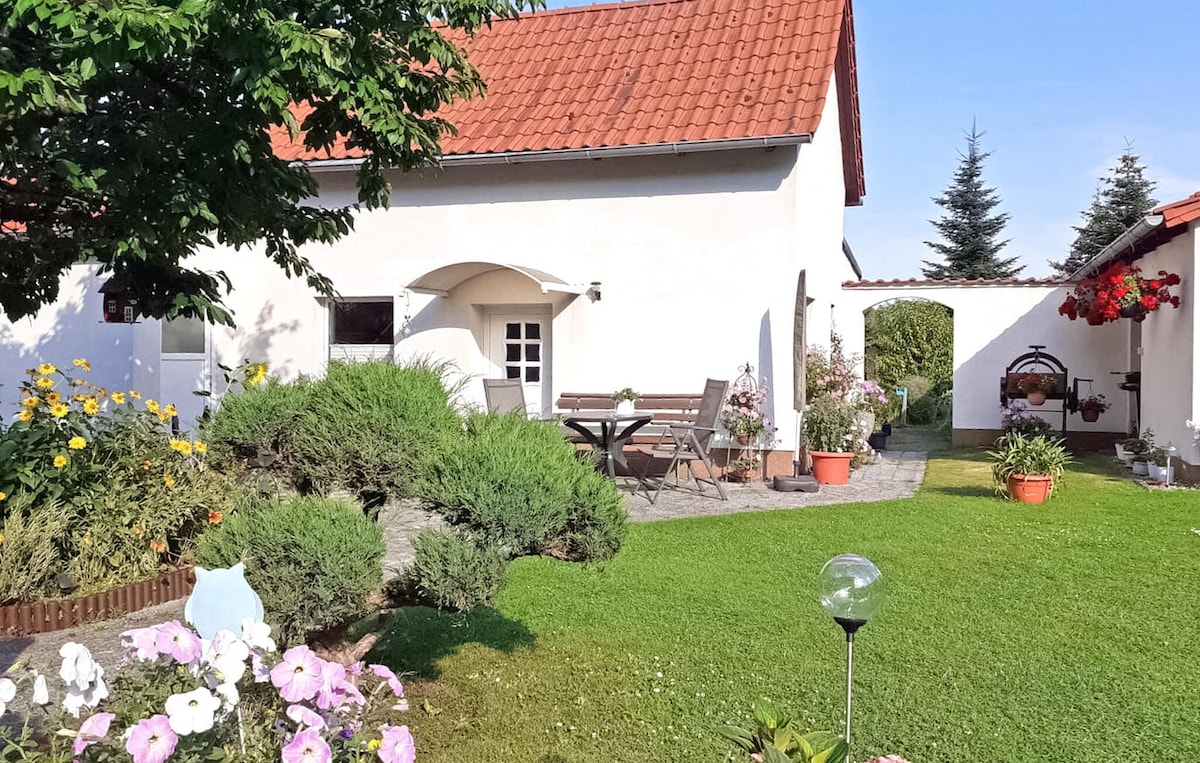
{"x":742,"y":414}
{"x":1140,"y":448}
{"x":1119,"y":291}
{"x":1092,"y":406}
{"x":833,"y":435}
{"x":773,"y":740}
{"x":1027,"y":469}
{"x":1160,"y":464}
{"x":625,"y":399}
{"x":1016,"y":418}
{"x":1036,"y":386}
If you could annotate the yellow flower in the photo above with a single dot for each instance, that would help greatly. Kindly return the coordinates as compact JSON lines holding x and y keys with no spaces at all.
{"x":200,"y":447}
{"x":53,"y":398}
{"x":374,"y":744}
{"x":82,"y":363}
{"x":60,"y":461}
{"x":25,"y":416}
{"x":44,"y":383}
{"x":168,"y":480}
{"x":101,"y":391}
{"x":31,"y":402}
{"x":180,"y":446}
{"x":171,"y":410}
{"x":135,"y":394}
{"x":77,"y":443}
{"x":90,"y":406}
{"x":164,"y":418}
{"x":152,"y":406}
{"x":256,"y":373}
{"x":58,"y":411}
{"x":79,"y":397}
{"x":3,"y":497}
{"x":118,"y":398}
{"x":46,"y":369}
{"x":1,"y":538}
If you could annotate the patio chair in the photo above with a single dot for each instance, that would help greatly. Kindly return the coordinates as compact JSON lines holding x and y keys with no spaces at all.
{"x":504,"y":396}
{"x":688,"y":443}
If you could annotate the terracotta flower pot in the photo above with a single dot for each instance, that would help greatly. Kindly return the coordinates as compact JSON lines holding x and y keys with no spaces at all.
{"x":1029,"y":488}
{"x":1036,"y":398}
{"x":831,"y":468}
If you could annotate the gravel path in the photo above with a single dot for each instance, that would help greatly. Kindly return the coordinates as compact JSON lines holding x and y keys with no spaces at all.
{"x":896,"y":474}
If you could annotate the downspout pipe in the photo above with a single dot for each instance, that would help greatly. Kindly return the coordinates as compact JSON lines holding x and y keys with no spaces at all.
{"x":1121,"y":243}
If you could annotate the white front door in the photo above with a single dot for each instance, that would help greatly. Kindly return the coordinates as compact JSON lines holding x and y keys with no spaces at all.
{"x":518,"y":348}
{"x":186,"y":368}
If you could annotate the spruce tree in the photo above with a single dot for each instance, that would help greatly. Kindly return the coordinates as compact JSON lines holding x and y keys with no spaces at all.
{"x":1120,"y":200}
{"x":969,"y":229}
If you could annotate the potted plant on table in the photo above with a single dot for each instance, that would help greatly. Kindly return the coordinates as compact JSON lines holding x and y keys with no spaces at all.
{"x":833,"y":434}
{"x":1027,"y":469}
{"x":625,"y":399}
{"x":1092,"y":406}
{"x":1036,"y":386}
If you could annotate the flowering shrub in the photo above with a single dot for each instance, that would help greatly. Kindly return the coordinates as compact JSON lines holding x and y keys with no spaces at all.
{"x":833,"y":425}
{"x":1119,"y":291}
{"x":233,"y":696}
{"x":134,"y":495}
{"x":832,"y":375}
{"x":742,"y":413}
{"x":872,"y":397}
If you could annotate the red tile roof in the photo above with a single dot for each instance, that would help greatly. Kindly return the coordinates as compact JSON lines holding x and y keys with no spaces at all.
{"x":1180,"y":212}
{"x":654,"y":72}
{"x":918,"y":282}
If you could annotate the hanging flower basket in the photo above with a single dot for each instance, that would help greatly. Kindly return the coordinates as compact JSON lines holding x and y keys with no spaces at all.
{"x":1119,"y":291}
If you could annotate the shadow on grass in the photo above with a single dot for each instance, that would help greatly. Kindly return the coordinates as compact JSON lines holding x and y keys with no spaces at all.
{"x":417,"y":638}
{"x":969,"y":491}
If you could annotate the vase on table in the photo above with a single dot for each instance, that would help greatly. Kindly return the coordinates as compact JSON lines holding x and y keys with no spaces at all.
{"x":626,"y":408}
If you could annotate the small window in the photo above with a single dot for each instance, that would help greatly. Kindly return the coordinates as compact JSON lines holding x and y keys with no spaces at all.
{"x":183,"y":336}
{"x":365,"y":322}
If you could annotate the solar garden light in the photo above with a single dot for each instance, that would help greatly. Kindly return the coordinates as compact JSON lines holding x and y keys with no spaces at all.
{"x":851,"y":591}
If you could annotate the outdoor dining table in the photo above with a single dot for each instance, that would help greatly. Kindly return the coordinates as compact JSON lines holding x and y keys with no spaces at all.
{"x":609,"y":437}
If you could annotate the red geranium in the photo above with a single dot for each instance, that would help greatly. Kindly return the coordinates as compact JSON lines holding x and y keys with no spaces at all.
{"x":1119,"y":291}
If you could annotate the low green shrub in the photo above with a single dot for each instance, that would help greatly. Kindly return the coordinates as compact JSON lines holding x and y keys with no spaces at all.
{"x":256,"y":422}
{"x":456,"y":570}
{"x":371,"y":427}
{"x":518,"y":483}
{"x":313,"y":561}
{"x":31,"y":553}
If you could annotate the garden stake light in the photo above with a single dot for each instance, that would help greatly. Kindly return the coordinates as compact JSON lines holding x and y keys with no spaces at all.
{"x":851,"y":591}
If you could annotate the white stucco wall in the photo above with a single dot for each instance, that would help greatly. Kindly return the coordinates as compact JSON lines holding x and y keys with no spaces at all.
{"x":70,"y":328}
{"x":1170,"y":391}
{"x":994,"y":324}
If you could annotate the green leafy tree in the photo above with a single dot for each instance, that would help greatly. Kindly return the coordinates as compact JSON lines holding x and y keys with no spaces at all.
{"x":1120,"y":200}
{"x":134,"y":133}
{"x":910,"y":338}
{"x":969,"y":229}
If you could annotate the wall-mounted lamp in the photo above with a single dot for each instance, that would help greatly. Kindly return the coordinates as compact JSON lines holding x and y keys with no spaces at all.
{"x":593,"y":292}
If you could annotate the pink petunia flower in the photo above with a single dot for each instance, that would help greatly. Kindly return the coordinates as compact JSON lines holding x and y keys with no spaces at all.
{"x":307,"y":747}
{"x":302,"y":716}
{"x":384,"y":672}
{"x":151,"y":740}
{"x":398,"y":745}
{"x":333,"y":676}
{"x":298,"y":677}
{"x":180,"y":643}
{"x":142,"y":643}
{"x":91,"y":731}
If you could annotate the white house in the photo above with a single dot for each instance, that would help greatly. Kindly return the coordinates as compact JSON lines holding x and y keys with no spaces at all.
{"x":630,"y":205}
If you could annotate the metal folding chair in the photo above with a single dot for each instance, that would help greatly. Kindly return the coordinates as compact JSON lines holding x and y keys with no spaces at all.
{"x":504,"y":396}
{"x":688,"y":443}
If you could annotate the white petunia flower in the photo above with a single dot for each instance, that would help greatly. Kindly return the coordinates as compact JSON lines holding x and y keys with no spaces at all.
{"x":257,"y":635}
{"x":41,"y":692}
{"x":78,"y":668}
{"x":8,"y":690}
{"x":86,"y":696}
{"x":226,"y":654}
{"x":192,"y":712}
{"x":228,"y":692}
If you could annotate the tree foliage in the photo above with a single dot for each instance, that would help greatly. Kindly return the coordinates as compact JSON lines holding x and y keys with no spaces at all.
{"x":133,"y":134}
{"x":969,"y":229}
{"x":910,"y":338}
{"x":1120,"y":200}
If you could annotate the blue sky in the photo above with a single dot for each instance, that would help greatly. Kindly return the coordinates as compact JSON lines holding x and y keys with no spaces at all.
{"x":1058,"y":86}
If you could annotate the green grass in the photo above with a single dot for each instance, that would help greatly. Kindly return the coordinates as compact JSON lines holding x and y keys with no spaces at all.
{"x":1062,"y":632}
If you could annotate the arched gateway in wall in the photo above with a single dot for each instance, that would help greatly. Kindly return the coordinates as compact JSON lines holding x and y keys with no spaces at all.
{"x":994,"y":322}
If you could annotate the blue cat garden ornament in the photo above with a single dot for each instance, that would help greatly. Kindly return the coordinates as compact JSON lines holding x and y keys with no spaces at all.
{"x":221,"y":600}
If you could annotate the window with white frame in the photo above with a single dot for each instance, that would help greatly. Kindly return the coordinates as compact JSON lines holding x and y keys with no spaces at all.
{"x":362,"y":328}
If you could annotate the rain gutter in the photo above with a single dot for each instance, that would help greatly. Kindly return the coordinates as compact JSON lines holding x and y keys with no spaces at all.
{"x":1121,"y":243}
{"x":602,"y":152}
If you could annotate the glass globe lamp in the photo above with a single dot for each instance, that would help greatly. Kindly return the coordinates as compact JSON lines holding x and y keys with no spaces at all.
{"x":851,"y":590}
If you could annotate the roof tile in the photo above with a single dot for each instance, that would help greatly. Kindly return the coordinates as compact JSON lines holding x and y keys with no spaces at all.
{"x":1180,"y":212}
{"x":649,"y":72}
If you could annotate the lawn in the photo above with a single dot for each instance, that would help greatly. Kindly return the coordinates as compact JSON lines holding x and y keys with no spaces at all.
{"x":1063,"y":632}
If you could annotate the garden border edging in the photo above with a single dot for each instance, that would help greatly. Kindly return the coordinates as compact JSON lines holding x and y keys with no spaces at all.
{"x":48,"y":616}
